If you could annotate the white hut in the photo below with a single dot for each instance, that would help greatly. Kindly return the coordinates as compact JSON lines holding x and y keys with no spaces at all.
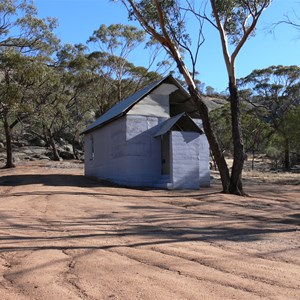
{"x":152,"y":139}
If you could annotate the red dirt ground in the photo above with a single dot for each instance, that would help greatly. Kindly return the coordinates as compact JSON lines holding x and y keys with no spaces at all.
{"x":64,"y":236}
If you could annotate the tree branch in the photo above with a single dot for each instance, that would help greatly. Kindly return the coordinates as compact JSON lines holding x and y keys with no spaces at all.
{"x":248,"y":31}
{"x":224,"y":43}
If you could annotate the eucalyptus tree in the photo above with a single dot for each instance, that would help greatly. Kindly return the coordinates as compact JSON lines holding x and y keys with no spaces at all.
{"x":81,"y":86}
{"x":21,"y":28}
{"x":22,"y":79}
{"x":293,"y":130}
{"x":24,"y":38}
{"x":111,"y":59}
{"x":276,"y":93}
{"x":60,"y":104}
{"x":256,"y":131}
{"x":114,"y":44}
{"x":112,"y":87}
{"x":235,"y":20}
{"x":108,"y":90}
{"x":12,"y":102}
{"x":51,"y":108}
{"x":220,"y":119}
{"x":82,"y":89}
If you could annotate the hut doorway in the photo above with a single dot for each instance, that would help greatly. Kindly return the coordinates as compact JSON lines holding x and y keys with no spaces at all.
{"x":165,"y":154}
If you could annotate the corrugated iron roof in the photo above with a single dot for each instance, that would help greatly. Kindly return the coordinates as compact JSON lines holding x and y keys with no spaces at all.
{"x":180,"y":102}
{"x":122,"y":107}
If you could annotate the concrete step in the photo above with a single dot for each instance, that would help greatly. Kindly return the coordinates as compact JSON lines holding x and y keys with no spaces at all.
{"x":164,"y":183}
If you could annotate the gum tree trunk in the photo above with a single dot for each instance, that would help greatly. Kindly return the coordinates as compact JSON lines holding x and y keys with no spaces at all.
{"x":8,"y":137}
{"x":212,"y":140}
{"x":287,"y":164}
{"x":56,"y":156}
{"x":236,"y":186}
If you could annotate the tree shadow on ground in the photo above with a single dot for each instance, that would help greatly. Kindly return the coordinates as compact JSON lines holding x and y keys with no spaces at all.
{"x":149,"y":225}
{"x":145,"y":224}
{"x":53,"y":180}
{"x":81,"y":181}
{"x":139,"y":226}
{"x":151,"y":236}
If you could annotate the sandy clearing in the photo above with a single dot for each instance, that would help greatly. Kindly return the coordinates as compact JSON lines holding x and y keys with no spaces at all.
{"x":63,"y":236}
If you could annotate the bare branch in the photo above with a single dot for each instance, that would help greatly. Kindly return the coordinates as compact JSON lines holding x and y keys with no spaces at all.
{"x":198,"y":15}
{"x":248,"y":31}
{"x":223,"y":38}
{"x":288,"y":21}
{"x":145,"y":24}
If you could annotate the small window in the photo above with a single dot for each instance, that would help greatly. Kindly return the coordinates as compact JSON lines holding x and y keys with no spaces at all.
{"x":92,"y":150}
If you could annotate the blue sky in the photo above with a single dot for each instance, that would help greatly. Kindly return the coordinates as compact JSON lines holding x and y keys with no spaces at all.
{"x":79,"y":18}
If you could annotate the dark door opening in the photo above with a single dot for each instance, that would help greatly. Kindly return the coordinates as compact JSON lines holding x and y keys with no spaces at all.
{"x":165,"y":154}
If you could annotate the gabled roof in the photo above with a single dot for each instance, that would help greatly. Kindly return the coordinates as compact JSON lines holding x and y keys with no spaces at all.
{"x":179,"y":102}
{"x":125,"y":105}
{"x":183,"y":121}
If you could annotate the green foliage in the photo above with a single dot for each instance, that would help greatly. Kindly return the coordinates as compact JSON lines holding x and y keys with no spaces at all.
{"x":83,"y":85}
{"x":21,"y":28}
{"x":117,"y":77}
{"x":221,"y":124}
{"x":174,"y":17}
{"x":293,"y":133}
{"x":275,"y":95}
{"x":238,"y":15}
{"x":20,"y":75}
{"x":174,"y":20}
{"x":293,"y":125}
{"x":274,"y":152}
{"x":255,"y":131}
{"x":117,"y":39}
{"x":57,"y":97}
{"x":275,"y":92}
{"x":25,"y":40}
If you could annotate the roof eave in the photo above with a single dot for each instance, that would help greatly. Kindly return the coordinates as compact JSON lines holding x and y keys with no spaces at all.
{"x":169,"y":77}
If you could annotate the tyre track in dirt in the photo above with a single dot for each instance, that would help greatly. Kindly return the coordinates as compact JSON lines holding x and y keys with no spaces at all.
{"x":182,"y":271}
{"x":209,"y":272}
{"x":63,"y":236}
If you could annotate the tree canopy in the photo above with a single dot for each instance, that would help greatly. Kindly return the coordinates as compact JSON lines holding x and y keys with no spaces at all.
{"x":275,"y":95}
{"x":53,"y":90}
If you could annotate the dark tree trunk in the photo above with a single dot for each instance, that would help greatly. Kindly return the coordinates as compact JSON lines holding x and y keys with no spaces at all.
{"x":287,"y":163}
{"x":45,"y":136}
{"x":212,"y":140}
{"x":8,"y":137}
{"x":56,"y":156}
{"x":74,"y":149}
{"x":236,"y":186}
{"x":214,"y":161}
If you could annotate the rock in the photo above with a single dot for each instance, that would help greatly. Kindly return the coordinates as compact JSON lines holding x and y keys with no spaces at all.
{"x":37,"y":142}
{"x":62,"y":142}
{"x":66,"y":155}
{"x":68,"y":148}
{"x":18,"y":144}
{"x":44,"y":157}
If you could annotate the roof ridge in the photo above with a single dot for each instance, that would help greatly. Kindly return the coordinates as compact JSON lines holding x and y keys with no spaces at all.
{"x":124,"y":105}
